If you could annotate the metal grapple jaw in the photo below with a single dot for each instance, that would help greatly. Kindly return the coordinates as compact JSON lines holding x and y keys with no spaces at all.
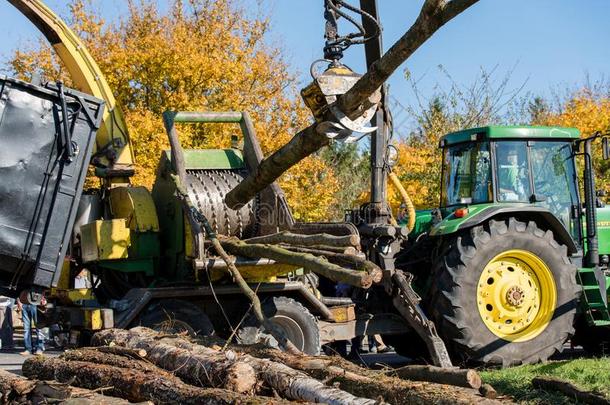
{"x":321,"y":96}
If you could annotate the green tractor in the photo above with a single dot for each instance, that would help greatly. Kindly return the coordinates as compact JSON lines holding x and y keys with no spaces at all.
{"x":509,"y":264}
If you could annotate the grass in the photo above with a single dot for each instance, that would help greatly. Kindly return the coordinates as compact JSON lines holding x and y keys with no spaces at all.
{"x":592,"y":374}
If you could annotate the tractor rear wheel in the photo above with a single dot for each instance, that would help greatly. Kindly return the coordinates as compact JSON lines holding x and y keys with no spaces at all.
{"x":505,"y":293}
{"x":291,"y":318}
{"x":176,"y":316}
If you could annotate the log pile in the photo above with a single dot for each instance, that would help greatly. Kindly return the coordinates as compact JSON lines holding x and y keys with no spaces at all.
{"x":144,"y":366}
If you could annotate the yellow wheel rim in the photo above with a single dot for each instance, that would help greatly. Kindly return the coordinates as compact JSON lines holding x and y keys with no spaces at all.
{"x":516,"y":295}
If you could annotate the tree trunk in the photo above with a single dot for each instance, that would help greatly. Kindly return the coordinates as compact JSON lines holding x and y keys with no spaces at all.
{"x":133,"y":385}
{"x":488,"y":391}
{"x":374,"y":384}
{"x":342,"y":259}
{"x":310,"y":262}
{"x":17,"y":389}
{"x":122,"y":351}
{"x":54,"y":391}
{"x":93,"y":355}
{"x":307,"y":240}
{"x":285,"y":381}
{"x":570,"y":390}
{"x":433,"y":15}
{"x":13,"y":386}
{"x":451,"y":376}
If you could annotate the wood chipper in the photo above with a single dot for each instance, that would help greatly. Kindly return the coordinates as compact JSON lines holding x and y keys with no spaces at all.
{"x":499,"y":273}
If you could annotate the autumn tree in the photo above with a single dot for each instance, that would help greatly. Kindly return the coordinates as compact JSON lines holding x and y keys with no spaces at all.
{"x":200,"y":55}
{"x":587,"y":109}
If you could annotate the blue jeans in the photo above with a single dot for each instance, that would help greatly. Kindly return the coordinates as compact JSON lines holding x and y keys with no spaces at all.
{"x":28,"y":314}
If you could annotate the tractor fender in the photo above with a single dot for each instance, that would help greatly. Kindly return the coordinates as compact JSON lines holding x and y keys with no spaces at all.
{"x":540,"y":215}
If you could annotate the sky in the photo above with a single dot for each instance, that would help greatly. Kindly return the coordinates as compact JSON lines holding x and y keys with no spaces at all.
{"x":546,"y":44}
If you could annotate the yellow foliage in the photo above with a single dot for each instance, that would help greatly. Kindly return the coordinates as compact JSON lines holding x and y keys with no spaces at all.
{"x":202,"y":55}
{"x":589,"y":114}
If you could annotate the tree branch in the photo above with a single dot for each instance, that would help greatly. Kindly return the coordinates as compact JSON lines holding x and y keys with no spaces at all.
{"x":318,"y":265}
{"x":434,"y":14}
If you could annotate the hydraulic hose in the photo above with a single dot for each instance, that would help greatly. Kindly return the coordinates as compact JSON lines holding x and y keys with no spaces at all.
{"x":406,"y":199}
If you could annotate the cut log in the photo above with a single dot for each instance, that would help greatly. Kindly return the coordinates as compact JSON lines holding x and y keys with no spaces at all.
{"x":285,"y":381}
{"x":318,"y":265}
{"x":433,"y":15}
{"x":92,"y":355}
{"x":13,"y":386}
{"x":342,"y":259}
{"x":346,"y":250}
{"x":17,"y":389}
{"x":307,"y":240}
{"x":452,"y":376}
{"x":366,"y":382}
{"x":488,"y":391}
{"x":68,"y":395}
{"x":133,"y":385}
{"x":122,"y":351}
{"x":570,"y":390}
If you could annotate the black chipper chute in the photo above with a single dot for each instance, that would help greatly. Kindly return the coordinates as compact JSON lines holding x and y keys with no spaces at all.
{"x":47,"y":136}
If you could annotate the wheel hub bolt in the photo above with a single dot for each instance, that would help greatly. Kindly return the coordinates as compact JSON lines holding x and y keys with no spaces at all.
{"x":515,"y":296}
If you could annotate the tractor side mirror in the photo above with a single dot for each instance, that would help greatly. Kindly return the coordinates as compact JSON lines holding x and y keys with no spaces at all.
{"x":605,"y":148}
{"x":391,"y":155}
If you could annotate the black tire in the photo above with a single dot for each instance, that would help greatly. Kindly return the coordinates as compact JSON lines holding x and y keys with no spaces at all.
{"x":453,"y":305}
{"x":176,"y":316}
{"x":292,"y":318}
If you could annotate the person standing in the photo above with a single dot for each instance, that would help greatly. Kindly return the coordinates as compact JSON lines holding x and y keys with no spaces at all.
{"x":29,"y":316}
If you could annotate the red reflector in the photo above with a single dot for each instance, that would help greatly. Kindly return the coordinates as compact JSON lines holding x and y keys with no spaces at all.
{"x":461,"y":212}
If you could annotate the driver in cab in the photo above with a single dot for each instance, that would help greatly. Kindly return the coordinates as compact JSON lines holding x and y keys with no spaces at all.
{"x":509,"y":179}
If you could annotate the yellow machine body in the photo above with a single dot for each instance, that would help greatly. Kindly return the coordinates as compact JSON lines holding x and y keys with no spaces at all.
{"x":105,"y":240}
{"x":136,"y":206}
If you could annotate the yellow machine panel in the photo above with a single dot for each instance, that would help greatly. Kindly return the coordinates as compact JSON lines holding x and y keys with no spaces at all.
{"x":105,"y":240}
{"x":136,"y":205}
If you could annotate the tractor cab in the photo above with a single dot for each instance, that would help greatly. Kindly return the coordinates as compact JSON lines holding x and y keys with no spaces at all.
{"x":496,"y":166}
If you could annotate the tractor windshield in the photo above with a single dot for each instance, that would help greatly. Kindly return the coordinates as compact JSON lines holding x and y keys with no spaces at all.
{"x":466,"y":174}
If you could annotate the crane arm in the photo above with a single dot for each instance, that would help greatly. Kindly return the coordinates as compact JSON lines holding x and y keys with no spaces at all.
{"x":112,"y":137}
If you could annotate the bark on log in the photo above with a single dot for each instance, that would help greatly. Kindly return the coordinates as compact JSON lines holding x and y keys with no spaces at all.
{"x":433,"y":15}
{"x":488,"y":391}
{"x":19,"y":389}
{"x":365,"y":382}
{"x":122,"y":351}
{"x":92,"y":355}
{"x":570,"y":390}
{"x":206,"y":367}
{"x":285,"y":381}
{"x":73,"y":396}
{"x":452,"y":376}
{"x":290,"y":238}
{"x":133,"y":385}
{"x":310,"y":262}
{"x":342,"y":259}
{"x":12,"y":386}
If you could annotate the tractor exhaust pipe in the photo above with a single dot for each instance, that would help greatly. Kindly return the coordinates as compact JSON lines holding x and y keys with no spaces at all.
{"x":592,"y":257}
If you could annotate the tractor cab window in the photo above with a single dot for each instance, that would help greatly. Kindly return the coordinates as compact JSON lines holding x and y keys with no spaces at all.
{"x":512,"y":171}
{"x":466,"y":174}
{"x":554,"y":177}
